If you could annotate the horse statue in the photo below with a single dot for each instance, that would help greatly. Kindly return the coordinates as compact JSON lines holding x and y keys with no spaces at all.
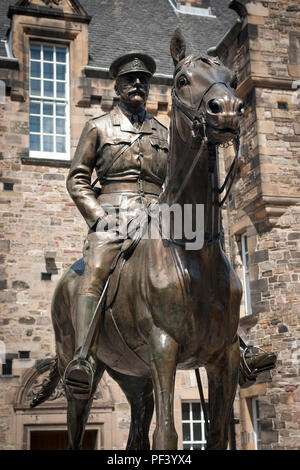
{"x":183,"y":311}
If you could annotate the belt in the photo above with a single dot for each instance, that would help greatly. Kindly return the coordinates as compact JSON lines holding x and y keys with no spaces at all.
{"x":138,"y":186}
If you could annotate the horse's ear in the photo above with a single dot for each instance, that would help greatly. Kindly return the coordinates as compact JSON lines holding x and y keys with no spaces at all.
{"x":177,"y":46}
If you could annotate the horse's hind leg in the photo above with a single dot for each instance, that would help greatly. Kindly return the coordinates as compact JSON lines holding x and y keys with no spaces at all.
{"x":139,"y":393}
{"x":78,"y":412}
{"x":222,"y":383}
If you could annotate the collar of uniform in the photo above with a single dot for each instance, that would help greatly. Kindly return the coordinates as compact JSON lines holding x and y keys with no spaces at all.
{"x":120,"y":119}
{"x":141,"y":115}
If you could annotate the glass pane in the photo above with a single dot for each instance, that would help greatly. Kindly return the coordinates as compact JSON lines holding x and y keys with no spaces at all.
{"x":257,"y":409}
{"x":185,"y":411}
{"x":35,"y":87}
{"x":60,"y":126}
{"x":35,"y":142}
{"x":197,"y":431}
{"x":48,"y":109}
{"x":35,"y":124}
{"x":60,"y":109}
{"x":35,"y":52}
{"x":35,"y":107}
{"x":48,"y":125}
{"x":196,"y":411}
{"x":35,"y":69}
{"x":186,"y":446}
{"x":61,"y":144}
{"x":60,"y":72}
{"x":48,"y":53}
{"x":48,"y":143}
{"x":48,"y":88}
{"x":60,"y":90}
{"x":197,"y":447}
{"x":48,"y":70}
{"x":186,"y":431}
{"x":60,"y":55}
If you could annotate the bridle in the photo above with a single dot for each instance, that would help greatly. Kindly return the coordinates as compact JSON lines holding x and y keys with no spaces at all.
{"x":193,"y":114}
{"x":197,"y":123}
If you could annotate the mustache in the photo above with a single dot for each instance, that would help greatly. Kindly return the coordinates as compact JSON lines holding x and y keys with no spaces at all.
{"x":137,"y":89}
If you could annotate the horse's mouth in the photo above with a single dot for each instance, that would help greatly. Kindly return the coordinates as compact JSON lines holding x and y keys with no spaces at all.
{"x":226,"y":130}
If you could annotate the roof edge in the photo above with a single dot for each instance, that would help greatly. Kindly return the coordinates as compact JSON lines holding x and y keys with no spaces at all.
{"x":232,"y":34}
{"x":40,"y":11}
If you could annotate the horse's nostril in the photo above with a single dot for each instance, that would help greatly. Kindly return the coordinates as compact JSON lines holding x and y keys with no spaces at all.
{"x":214,"y":106}
{"x":241,"y":108}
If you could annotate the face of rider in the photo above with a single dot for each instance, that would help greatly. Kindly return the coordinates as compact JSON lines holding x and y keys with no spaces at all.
{"x":133,"y":89}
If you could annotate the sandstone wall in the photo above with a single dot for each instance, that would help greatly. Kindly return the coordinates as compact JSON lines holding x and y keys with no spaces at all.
{"x":264,"y":206}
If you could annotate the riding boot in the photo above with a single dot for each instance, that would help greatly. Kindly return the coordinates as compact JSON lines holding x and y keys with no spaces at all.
{"x":253,"y":361}
{"x":79,"y":372}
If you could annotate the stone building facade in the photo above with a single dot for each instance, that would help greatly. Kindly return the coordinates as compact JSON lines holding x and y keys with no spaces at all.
{"x":42,"y":232}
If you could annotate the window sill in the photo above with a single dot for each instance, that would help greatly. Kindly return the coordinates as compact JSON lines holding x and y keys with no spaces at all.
{"x":9,"y":376}
{"x":45,"y":162}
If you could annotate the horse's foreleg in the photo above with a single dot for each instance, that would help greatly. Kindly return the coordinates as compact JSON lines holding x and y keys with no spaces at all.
{"x":163,"y":356}
{"x":222,"y":384}
{"x":78,"y":412}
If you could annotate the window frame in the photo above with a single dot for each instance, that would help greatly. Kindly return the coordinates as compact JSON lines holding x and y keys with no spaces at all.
{"x":191,"y":421}
{"x":256,"y":423}
{"x":39,"y":154}
{"x":7,"y":367}
{"x":246,"y":274}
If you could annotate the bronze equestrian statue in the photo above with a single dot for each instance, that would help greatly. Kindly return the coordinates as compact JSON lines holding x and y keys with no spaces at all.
{"x":140,"y":307}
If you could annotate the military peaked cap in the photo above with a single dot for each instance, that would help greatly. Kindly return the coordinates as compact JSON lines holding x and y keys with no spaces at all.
{"x":134,"y":61}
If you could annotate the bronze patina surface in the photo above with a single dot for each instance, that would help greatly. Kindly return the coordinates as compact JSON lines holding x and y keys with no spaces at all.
{"x":166,"y":307}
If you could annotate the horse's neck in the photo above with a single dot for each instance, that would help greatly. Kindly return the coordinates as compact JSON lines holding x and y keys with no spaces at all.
{"x":198,"y":189}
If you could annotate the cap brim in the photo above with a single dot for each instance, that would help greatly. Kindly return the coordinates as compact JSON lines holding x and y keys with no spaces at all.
{"x":149,"y":63}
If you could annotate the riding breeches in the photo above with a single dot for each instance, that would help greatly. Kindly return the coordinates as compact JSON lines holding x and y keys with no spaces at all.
{"x":101,"y":247}
{"x":99,"y":251}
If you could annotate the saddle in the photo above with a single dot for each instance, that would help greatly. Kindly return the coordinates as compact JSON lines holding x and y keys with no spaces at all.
{"x":116,"y":267}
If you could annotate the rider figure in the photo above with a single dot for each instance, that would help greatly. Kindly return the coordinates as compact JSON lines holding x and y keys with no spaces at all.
{"x":128,"y":149}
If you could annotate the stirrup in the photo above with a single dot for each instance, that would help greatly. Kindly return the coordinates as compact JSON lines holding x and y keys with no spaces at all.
{"x":79,"y":377}
{"x":261,"y":362}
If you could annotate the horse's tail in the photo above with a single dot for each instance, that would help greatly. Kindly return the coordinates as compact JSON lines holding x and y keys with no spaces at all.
{"x":48,"y":385}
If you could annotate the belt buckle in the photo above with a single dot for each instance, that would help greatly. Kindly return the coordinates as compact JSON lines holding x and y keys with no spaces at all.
{"x":140,"y":187}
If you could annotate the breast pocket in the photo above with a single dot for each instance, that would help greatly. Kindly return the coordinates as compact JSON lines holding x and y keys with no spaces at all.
{"x":159,"y":144}
{"x":160,"y":150}
{"x":111,"y":147}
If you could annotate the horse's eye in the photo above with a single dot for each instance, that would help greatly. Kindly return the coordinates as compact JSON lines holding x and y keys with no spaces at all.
{"x":205,"y":60}
{"x":182,"y":81}
{"x":234,"y":83}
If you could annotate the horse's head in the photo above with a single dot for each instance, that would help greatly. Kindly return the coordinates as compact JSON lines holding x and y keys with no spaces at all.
{"x":204,"y":94}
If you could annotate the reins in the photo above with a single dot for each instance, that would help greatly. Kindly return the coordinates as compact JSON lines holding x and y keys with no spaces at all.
{"x":197,"y":122}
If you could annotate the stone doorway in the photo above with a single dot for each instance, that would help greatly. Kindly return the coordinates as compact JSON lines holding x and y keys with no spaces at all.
{"x":58,"y":440}
{"x":45,"y":427}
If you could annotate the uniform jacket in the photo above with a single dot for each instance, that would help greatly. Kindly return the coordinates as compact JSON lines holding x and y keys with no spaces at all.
{"x":100,"y":140}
